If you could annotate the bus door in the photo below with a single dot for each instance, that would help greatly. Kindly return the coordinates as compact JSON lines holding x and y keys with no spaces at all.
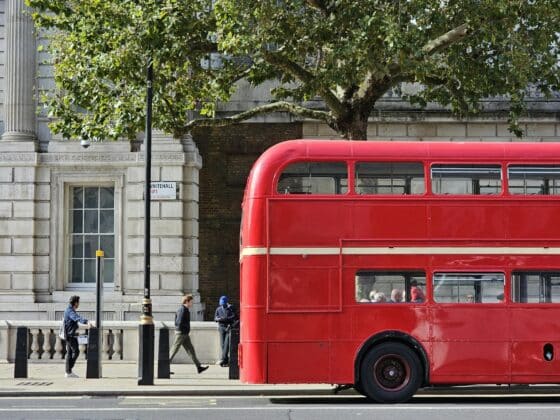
{"x":470,"y":330}
{"x":535,"y":326}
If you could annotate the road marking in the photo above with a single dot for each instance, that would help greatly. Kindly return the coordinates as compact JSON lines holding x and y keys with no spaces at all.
{"x":391,"y":408}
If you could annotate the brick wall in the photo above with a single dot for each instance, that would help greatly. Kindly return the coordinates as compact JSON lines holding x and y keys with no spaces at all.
{"x":227,"y":156}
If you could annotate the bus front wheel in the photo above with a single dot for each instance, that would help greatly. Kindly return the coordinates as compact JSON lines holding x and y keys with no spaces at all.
{"x":390,"y":373}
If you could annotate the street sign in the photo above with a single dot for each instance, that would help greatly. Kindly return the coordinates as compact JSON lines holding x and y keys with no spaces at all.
{"x":164,"y":190}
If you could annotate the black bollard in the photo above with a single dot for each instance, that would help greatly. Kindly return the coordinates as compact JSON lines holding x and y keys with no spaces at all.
{"x":20,"y":368}
{"x":93,"y":366}
{"x":233,"y":361}
{"x":146,"y":354}
{"x":163,"y":370}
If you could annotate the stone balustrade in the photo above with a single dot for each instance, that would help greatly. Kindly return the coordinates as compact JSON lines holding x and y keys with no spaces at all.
{"x":119,"y":343}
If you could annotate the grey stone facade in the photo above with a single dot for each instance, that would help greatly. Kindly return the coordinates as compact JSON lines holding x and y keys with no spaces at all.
{"x":38,"y":171}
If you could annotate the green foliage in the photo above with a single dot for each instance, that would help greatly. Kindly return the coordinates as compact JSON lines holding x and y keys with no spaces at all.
{"x":362,"y":49}
{"x":100,"y":51}
{"x":346,"y":52}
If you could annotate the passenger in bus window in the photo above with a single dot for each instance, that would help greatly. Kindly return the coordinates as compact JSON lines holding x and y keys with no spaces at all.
{"x":469,"y":299}
{"x":396,"y":296}
{"x":379,"y":298}
{"x":500,"y":297}
{"x":372,"y":295}
{"x":416,"y":294}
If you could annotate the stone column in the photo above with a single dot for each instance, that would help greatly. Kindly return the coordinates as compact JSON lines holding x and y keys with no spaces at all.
{"x":20,"y":104}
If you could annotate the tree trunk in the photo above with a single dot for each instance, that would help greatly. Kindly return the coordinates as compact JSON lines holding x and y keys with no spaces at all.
{"x":356,"y":129}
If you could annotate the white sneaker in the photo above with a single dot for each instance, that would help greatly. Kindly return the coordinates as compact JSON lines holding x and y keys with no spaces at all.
{"x":71,"y":375}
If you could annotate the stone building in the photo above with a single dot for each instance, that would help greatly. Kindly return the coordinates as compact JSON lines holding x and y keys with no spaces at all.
{"x":58,"y":201}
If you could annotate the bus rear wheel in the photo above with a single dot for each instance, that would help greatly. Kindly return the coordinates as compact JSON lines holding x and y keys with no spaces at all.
{"x":390,"y":373}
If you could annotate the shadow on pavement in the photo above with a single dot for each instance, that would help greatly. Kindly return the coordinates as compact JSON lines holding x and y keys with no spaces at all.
{"x":431,"y":400}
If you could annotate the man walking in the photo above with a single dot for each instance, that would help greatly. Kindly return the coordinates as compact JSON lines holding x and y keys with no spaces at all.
{"x":225,"y":317}
{"x":71,"y":321}
{"x":182,"y":330}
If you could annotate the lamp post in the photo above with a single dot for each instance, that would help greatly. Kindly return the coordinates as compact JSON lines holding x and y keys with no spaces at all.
{"x":146,"y":327}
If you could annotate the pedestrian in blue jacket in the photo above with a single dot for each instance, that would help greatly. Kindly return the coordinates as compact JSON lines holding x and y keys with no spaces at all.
{"x":71,"y":321}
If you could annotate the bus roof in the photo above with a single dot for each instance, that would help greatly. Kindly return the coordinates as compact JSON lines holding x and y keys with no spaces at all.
{"x":261,"y":178}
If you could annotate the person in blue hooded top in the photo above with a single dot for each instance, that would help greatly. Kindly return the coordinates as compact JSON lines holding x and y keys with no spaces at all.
{"x":225,"y":317}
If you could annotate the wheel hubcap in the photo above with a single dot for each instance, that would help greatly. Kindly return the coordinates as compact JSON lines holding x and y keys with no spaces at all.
{"x":391,"y":372}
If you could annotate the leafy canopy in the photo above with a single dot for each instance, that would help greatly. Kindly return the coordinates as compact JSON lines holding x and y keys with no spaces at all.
{"x":100,"y":50}
{"x":352,"y":52}
{"x":349,"y":53}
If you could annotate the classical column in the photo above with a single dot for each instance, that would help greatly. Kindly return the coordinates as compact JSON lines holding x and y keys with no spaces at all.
{"x":19,"y":107}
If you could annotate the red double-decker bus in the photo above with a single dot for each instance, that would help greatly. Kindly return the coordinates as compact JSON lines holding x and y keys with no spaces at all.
{"x":391,"y":266}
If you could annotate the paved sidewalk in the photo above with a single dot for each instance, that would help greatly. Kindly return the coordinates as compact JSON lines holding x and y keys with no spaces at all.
{"x":120,"y":379}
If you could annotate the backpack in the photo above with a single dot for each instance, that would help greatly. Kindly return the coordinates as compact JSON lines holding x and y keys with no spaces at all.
{"x":62,"y":331}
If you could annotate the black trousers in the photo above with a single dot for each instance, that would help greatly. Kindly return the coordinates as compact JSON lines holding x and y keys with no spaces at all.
{"x":72,"y":353}
{"x":224,"y":342}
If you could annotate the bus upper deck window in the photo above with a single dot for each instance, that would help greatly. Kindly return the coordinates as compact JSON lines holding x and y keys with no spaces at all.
{"x":396,"y":178}
{"x":534,"y":180}
{"x":466,"y":179}
{"x":314,"y":178}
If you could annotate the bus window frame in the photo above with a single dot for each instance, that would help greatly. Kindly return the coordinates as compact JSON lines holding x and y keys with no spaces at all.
{"x":280,"y":170}
{"x":406,"y":285}
{"x":530,"y":304}
{"x":394,"y":161}
{"x":530,"y":196}
{"x":506,"y":286}
{"x":503,"y":177}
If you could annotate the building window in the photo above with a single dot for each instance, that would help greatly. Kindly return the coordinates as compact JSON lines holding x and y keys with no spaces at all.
{"x":534,"y":180}
{"x":314,"y":178}
{"x":466,"y":179}
{"x":536,"y":287}
{"x":389,"y":178}
{"x":390,"y":286}
{"x":92,"y":227}
{"x":468,"y":287}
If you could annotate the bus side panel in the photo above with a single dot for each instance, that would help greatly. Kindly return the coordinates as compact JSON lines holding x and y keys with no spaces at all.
{"x":298,"y":362}
{"x":308,"y":222}
{"x":540,"y":220}
{"x":485,"y":220}
{"x":303,"y":283}
{"x":371,"y":218}
{"x":252,"y":351}
{"x":534,"y":332}
{"x":470,"y":340}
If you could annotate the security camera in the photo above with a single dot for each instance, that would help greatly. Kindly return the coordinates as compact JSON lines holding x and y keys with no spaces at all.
{"x":84,"y":143}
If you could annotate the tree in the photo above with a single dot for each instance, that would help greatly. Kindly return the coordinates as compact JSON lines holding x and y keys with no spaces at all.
{"x":348,"y":53}
{"x":100,"y":51}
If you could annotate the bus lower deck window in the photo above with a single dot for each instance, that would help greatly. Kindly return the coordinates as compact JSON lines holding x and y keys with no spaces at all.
{"x":468,"y":287}
{"x":373,"y":286}
{"x":536,"y":287}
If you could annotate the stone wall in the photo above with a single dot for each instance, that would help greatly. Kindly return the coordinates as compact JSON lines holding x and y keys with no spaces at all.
{"x":228,"y":155}
{"x":34,"y":227}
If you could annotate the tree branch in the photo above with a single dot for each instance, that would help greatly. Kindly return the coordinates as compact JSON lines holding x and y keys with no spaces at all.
{"x":305,"y":77}
{"x":447,"y":39}
{"x":264,"y":109}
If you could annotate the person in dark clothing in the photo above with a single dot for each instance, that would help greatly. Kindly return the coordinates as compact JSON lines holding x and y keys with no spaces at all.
{"x":182,"y":330}
{"x":225,"y":317}
{"x":71,"y":321}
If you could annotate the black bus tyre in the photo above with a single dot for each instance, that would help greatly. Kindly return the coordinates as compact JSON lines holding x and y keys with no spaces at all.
{"x":390,"y":373}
